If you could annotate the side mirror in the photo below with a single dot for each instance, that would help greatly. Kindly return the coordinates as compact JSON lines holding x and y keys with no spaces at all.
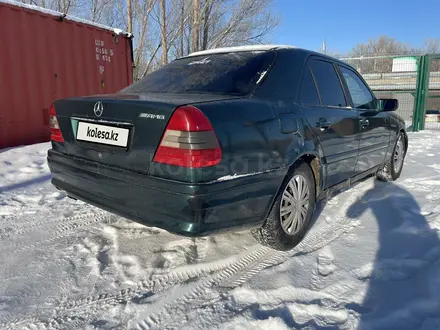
{"x":387,"y":104}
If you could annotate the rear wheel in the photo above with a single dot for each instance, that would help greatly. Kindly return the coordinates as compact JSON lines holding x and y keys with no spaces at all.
{"x":394,"y":165}
{"x":291,"y":213}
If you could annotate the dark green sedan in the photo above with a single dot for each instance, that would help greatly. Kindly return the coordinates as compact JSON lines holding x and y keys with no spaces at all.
{"x":227,"y":139}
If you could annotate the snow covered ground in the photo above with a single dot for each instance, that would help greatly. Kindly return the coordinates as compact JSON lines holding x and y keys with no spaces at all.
{"x":371,"y":260}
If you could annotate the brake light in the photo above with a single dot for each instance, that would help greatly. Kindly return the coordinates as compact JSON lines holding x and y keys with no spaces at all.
{"x":55,"y":132}
{"x":189,"y":140}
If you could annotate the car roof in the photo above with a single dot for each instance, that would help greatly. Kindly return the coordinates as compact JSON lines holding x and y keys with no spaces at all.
{"x":251,"y":48}
{"x":248,"y":48}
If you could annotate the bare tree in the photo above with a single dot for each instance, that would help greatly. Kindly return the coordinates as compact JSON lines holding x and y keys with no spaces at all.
{"x":188,"y":39}
{"x":97,"y":9}
{"x":195,"y":28}
{"x":249,"y":22}
{"x":182,"y":26}
{"x":383,"y":45}
{"x":163,"y":29}
{"x":382,"y":50}
{"x":71,"y":7}
{"x":431,"y":46}
{"x":144,"y":11}
{"x":63,"y":6}
{"x":129,"y":17}
{"x":206,"y":14}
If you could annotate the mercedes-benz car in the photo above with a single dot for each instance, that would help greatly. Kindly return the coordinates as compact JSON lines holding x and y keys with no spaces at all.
{"x":227,"y":139}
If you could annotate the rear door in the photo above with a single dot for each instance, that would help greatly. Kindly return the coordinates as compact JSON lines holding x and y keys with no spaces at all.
{"x":374,"y":125}
{"x":330,"y":118}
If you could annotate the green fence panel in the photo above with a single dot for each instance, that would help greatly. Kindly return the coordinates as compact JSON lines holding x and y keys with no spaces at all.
{"x":421,"y":93}
{"x":431,"y":118}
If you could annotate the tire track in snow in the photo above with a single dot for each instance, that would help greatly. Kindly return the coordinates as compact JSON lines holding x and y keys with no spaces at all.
{"x":314,"y":240}
{"x":158,"y":283}
{"x":24,"y":228}
{"x":64,"y":229}
{"x":272,"y":258}
{"x":242,"y":265}
{"x":229,"y":274}
{"x":150,"y":287}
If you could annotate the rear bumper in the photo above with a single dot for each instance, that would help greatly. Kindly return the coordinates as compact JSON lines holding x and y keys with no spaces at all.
{"x":181,"y":208}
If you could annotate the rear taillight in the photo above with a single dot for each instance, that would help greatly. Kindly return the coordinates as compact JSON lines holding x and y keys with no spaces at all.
{"x":55,"y":132}
{"x":189,"y":140}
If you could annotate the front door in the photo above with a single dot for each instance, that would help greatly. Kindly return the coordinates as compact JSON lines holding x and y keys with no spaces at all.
{"x":374,"y":125}
{"x":331,"y":119}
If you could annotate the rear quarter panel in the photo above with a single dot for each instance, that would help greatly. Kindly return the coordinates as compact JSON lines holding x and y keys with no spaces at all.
{"x":248,"y":134}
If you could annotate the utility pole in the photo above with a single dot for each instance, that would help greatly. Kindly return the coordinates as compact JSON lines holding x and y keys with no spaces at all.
{"x":324,"y":46}
{"x":129,"y":23}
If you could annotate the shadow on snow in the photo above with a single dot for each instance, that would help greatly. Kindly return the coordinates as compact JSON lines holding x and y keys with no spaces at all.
{"x":27,"y":183}
{"x":399,"y":295}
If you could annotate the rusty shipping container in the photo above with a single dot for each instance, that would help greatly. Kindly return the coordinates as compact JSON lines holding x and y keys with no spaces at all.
{"x":45,"y":55}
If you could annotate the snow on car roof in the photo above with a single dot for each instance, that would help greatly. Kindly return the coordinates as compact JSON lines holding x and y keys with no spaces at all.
{"x":67,"y":17}
{"x":248,"y":48}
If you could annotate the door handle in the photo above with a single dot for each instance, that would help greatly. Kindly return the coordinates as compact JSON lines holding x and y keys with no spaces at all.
{"x":364,"y":123}
{"x":323,"y":124}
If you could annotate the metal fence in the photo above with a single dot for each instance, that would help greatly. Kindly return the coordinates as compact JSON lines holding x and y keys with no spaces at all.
{"x":412,"y":79}
{"x":432,"y":101}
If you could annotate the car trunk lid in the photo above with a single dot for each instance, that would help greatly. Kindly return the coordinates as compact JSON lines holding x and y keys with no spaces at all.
{"x":122,"y":130}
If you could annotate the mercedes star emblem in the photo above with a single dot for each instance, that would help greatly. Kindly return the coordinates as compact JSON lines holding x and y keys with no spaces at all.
{"x":98,"y":109}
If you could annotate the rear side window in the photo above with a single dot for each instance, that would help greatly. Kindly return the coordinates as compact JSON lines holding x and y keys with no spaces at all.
{"x":308,"y":94}
{"x":361,"y":96}
{"x":235,"y":73}
{"x":329,"y":85}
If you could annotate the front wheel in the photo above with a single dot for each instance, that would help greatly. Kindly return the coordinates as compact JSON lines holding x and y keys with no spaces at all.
{"x":291,"y":213}
{"x":394,"y":165}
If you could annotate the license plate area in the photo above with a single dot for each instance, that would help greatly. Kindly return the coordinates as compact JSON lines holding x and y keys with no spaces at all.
{"x":103,"y":134}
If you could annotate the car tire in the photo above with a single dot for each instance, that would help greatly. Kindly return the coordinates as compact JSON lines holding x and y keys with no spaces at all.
{"x":393,"y":167}
{"x":276,"y":232}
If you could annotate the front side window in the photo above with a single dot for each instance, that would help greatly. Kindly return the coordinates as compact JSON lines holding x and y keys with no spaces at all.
{"x":329,"y":85}
{"x":236,"y":73}
{"x":361,"y":96}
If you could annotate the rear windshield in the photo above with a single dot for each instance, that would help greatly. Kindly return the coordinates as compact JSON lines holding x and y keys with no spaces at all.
{"x":432,"y":112}
{"x":232,"y":73}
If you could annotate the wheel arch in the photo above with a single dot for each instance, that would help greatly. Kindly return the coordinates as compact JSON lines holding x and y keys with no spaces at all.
{"x":310,"y":159}
{"x":405,"y":135}
{"x":313,"y":159}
